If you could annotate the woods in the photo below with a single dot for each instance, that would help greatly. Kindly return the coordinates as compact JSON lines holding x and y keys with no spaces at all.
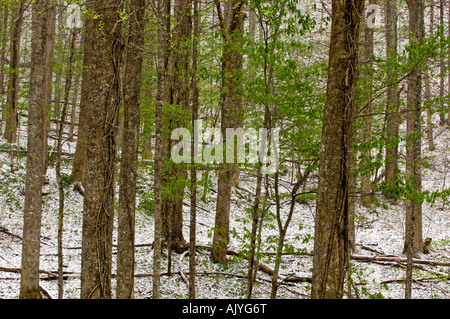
{"x":171,"y":149}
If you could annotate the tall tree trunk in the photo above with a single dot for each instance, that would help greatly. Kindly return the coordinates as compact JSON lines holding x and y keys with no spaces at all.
{"x":413,"y":135}
{"x":179,"y":91}
{"x":448,"y":64}
{"x":60,"y":62}
{"x":441,"y":64}
{"x":130,"y":148}
{"x":231,"y":109}
{"x":103,"y":98}
{"x":366,"y":185}
{"x":11,"y":119}
{"x":163,"y":18}
{"x":48,"y":90}
{"x":392,"y":106}
{"x":3,"y":60}
{"x":428,"y":97}
{"x":79,"y":159}
{"x":331,"y":243}
{"x":41,"y":54}
{"x":193,"y":208}
{"x":60,"y":134}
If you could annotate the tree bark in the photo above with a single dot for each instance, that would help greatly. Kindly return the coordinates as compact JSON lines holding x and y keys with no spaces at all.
{"x":178,"y":97}
{"x":39,"y":82}
{"x":429,"y":104}
{"x":392,"y":130}
{"x":11,"y":118}
{"x":441,"y":64}
{"x":3,"y":60}
{"x":103,"y":109}
{"x":413,"y":225}
{"x":231,"y":109}
{"x":366,"y":184}
{"x":130,"y":148}
{"x":163,"y":16}
{"x":331,"y":243}
{"x":193,"y":208}
{"x":79,"y":160}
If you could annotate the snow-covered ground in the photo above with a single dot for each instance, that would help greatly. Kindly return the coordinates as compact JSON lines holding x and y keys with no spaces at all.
{"x":380,"y":231}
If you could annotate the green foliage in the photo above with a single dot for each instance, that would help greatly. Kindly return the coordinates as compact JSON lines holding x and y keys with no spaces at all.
{"x":146,"y":204}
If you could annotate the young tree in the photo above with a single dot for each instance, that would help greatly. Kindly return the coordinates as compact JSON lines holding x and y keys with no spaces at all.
{"x":130,"y":147}
{"x":413,"y":226}
{"x":104,"y":51}
{"x":331,"y":244}
{"x":41,"y":53}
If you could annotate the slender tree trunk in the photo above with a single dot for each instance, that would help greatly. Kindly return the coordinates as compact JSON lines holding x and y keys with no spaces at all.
{"x":39,"y":81}
{"x":3,"y":60}
{"x":193,"y":208}
{"x":448,"y":65}
{"x":413,"y":229}
{"x":11,"y":104}
{"x":172,"y":206}
{"x":73,"y":112}
{"x":231,"y":108}
{"x":366,"y":185}
{"x":441,"y":64}
{"x":60,"y":62}
{"x":103,"y":110}
{"x":163,"y":8}
{"x":48,"y":90}
{"x":331,"y":243}
{"x":392,"y":132}
{"x":79,"y":159}
{"x":428,"y":97}
{"x":67,"y":89}
{"x":130,"y":148}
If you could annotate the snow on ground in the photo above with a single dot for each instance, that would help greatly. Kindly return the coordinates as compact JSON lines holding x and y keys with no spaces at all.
{"x":380,"y":231}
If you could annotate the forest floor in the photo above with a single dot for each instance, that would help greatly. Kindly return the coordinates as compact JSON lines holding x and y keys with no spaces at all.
{"x":379,"y":232}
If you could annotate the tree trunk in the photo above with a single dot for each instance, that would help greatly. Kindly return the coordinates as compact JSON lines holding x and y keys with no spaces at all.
{"x":3,"y":60}
{"x":331,"y":243}
{"x":79,"y":159}
{"x":11,"y":119}
{"x":163,"y":17}
{"x":179,"y":92}
{"x":193,"y":208}
{"x":366,"y":185}
{"x":73,"y":112}
{"x":41,"y":54}
{"x":103,"y":109}
{"x":448,"y":64}
{"x":60,"y":133}
{"x":130,"y":148}
{"x":413,"y":136}
{"x":231,"y":109}
{"x":392,"y":106}
{"x":429,"y":104}
{"x":441,"y":64}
